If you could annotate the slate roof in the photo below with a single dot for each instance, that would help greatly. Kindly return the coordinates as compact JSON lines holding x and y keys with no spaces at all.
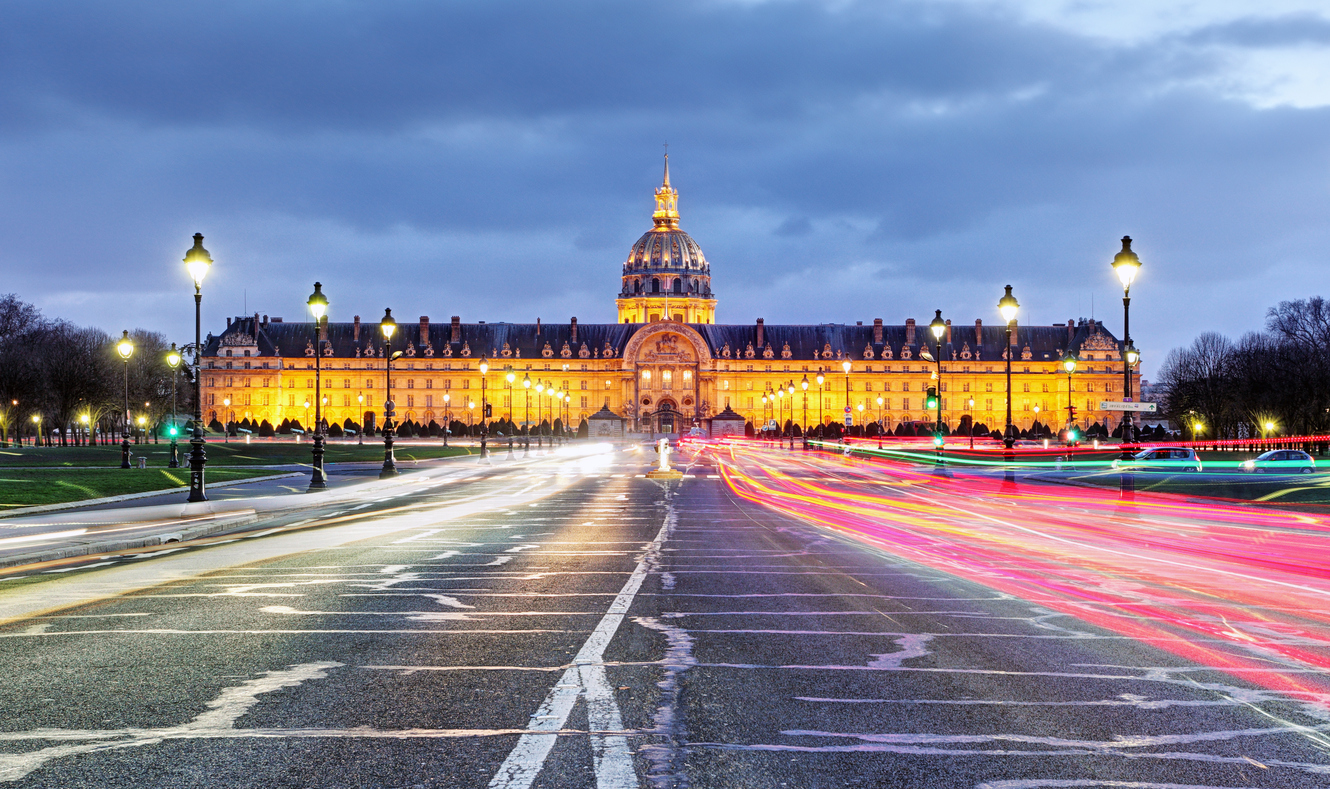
{"x":527,"y":340}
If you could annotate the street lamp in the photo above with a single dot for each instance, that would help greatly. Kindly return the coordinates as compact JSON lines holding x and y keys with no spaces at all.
{"x":938,"y":327}
{"x":87,"y":430}
{"x":360,"y":434}
{"x":318,"y":307}
{"x":198,"y":263}
{"x":37,"y":425}
{"x":173,"y":359}
{"x":387,"y":327}
{"x":1126,"y":265}
{"x":1069,"y":364}
{"x":820,"y":379}
{"x":447,"y":419}
{"x":845,"y":365}
{"x":526,"y":418}
{"x":970,"y":404}
{"x":226,"y":419}
{"x":484,"y":408}
{"x":126,"y":349}
{"x":143,"y":424}
{"x":879,"y":421}
{"x":790,"y":387}
{"x":780,"y":416}
{"x":1008,"y":305}
{"x":540,"y":436}
{"x":804,"y":385}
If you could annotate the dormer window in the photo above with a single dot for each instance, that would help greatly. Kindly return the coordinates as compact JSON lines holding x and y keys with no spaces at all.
{"x":228,"y":351}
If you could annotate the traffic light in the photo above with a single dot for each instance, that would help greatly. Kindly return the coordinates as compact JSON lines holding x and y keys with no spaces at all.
{"x":932,"y":398}
{"x":937,"y":441}
{"x":1073,"y":435}
{"x":489,"y":410}
{"x":172,"y":431}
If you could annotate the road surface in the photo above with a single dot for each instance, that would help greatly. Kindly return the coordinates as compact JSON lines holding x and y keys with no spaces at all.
{"x":771,"y":620}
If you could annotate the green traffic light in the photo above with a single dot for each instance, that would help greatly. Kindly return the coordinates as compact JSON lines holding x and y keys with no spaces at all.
{"x":171,"y":430}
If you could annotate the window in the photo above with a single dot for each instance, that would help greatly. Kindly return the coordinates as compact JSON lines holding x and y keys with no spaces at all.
{"x":429,"y":401}
{"x":466,"y":383}
{"x":1026,"y":387}
{"x":410,"y":401}
{"x":265,"y":398}
{"x":942,"y":387}
{"x":886,"y":386}
{"x":291,"y":400}
{"x":447,"y":383}
{"x":369,"y":383}
{"x":965,"y":387}
{"x":750,"y":400}
{"x":410,"y":383}
{"x":868,"y":386}
{"x":688,"y":375}
{"x":1045,"y":387}
{"x":608,"y":384}
{"x":266,"y":382}
{"x":988,"y":387}
{"x":667,"y":379}
{"x":346,"y":383}
{"x":584,"y":401}
{"x":212,"y":382}
{"x":725,"y":385}
{"x":369,"y":401}
{"x":750,"y":386}
{"x":905,"y":387}
{"x":346,"y":400}
{"x":212,"y":399}
{"x":429,"y":383}
{"x":309,"y":383}
{"x":584,"y":385}
{"x":988,"y":404}
{"x":905,"y":404}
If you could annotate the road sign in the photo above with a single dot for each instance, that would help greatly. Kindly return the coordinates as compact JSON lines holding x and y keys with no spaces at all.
{"x":1111,"y":405}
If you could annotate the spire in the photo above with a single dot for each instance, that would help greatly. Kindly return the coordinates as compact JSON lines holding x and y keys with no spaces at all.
{"x":666,"y":215}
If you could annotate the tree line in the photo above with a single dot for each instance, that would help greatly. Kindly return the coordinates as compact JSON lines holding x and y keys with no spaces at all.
{"x":1218,"y":388}
{"x":65,"y":383}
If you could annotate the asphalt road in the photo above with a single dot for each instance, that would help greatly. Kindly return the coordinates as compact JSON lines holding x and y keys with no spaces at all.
{"x":565,"y":622}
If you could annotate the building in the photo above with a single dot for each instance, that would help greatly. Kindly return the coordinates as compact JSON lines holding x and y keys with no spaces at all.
{"x":665,"y":365}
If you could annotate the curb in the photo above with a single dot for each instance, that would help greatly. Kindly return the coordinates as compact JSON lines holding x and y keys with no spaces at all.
{"x":73,"y":505}
{"x":184,"y":535}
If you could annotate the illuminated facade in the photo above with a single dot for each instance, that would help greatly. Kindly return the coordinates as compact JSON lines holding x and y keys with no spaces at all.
{"x":665,"y":365}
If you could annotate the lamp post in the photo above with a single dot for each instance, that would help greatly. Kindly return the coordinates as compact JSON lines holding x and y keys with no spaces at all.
{"x":820,"y":399}
{"x":970,"y":405}
{"x":173,"y":359}
{"x":780,"y":417}
{"x":1069,"y":364}
{"x":804,"y":385}
{"x":360,"y":434}
{"x":1126,"y":264}
{"x":526,"y":418}
{"x":540,"y":434}
{"x":198,"y":262}
{"x":37,"y":427}
{"x":126,"y":349}
{"x":484,"y":408}
{"x":447,"y":417}
{"x":790,"y":388}
{"x":1008,"y":305}
{"x":318,"y":307}
{"x":845,"y":365}
{"x":87,"y":430}
{"x":938,"y":327}
{"x":226,"y":420}
{"x":387,"y":327}
{"x":765,"y":419}
{"x":879,"y":421}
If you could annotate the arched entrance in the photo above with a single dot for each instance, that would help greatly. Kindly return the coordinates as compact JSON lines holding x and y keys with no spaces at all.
{"x":667,"y":417}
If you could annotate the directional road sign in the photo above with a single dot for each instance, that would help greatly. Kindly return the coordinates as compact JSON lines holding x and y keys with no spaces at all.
{"x":1112,"y":405}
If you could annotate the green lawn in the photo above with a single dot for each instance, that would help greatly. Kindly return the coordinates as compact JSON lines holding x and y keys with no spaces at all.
{"x":27,"y":487}
{"x":234,"y":453}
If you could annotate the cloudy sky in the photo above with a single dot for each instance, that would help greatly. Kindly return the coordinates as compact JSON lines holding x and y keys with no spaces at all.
{"x":837,"y":161}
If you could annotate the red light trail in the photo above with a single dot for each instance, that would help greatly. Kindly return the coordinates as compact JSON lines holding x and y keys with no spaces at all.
{"x":1242,"y":589}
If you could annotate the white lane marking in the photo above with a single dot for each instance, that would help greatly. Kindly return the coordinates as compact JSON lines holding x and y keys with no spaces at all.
{"x":451,"y":602}
{"x":613,"y":760}
{"x":79,"y":567}
{"x":502,"y":560}
{"x":520,"y":548}
{"x":220,"y":718}
{"x":266,"y":532}
{"x":444,"y":555}
{"x":419,"y":536}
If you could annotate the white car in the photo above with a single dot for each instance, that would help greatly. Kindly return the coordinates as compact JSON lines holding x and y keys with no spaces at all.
{"x":1161,"y":459}
{"x":1280,"y":461}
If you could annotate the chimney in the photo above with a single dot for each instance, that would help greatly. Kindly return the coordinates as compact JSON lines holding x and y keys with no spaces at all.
{"x":858,"y":323}
{"x":265,"y":320}
{"x":909,"y":331}
{"x":323,"y":329}
{"x":255,"y":325}
{"x":948,"y":331}
{"x":457,"y":329}
{"x":228,"y":323}
{"x":978,"y":333}
{"x":877,"y":331}
{"x":424,"y":329}
{"x":1071,"y":332}
{"x":1015,"y":330}
{"x":355,"y":330}
{"x":537,"y":327}
{"x":574,"y":332}
{"x":761,"y":332}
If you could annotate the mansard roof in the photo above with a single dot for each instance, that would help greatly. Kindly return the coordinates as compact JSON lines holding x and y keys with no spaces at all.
{"x":530,"y":342}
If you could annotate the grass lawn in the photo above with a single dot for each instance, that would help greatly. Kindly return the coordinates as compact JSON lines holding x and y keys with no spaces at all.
{"x":234,"y":453}
{"x":27,"y":487}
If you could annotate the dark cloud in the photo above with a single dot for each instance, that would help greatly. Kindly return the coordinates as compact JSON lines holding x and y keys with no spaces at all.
{"x":496,"y":159}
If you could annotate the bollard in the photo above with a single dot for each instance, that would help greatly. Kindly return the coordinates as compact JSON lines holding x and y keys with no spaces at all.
{"x":143,"y":462}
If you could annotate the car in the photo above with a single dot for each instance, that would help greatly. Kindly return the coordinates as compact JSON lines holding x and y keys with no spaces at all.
{"x":1280,"y":461}
{"x":1161,"y":459}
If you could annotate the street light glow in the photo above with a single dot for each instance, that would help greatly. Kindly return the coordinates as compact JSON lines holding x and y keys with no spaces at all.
{"x":198,"y":261}
{"x":938,"y":327}
{"x":125,"y":347}
{"x":387,"y":326}
{"x":845,"y":365}
{"x":1126,"y":264}
{"x":173,"y":357}
{"x":1008,"y":305}
{"x":318,"y":303}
